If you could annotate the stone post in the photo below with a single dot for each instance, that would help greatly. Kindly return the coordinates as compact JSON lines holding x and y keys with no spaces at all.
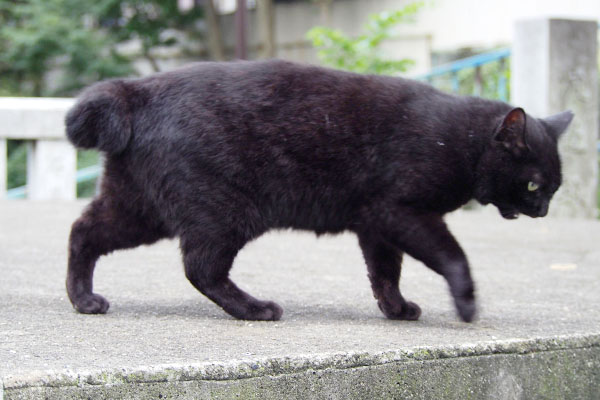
{"x":51,"y":170}
{"x":554,"y":68}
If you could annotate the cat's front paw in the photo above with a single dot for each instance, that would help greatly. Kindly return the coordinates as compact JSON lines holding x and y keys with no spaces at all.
{"x":91,"y":304}
{"x":466,"y":308}
{"x":407,"y":311}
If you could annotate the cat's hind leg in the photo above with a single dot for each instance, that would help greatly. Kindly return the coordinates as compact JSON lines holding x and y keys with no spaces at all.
{"x":208,"y":259}
{"x":384,"y":265}
{"x":107,"y":224}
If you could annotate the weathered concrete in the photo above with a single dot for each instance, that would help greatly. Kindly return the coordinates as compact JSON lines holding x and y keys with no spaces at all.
{"x":562,"y":368}
{"x":51,"y":160}
{"x":537,"y":336}
{"x":554,"y":67}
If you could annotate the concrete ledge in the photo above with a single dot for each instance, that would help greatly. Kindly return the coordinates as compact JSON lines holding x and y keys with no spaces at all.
{"x":554,"y":368}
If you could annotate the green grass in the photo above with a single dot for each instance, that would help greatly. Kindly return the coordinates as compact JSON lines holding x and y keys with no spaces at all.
{"x":16,"y":174}
{"x":87,"y":158}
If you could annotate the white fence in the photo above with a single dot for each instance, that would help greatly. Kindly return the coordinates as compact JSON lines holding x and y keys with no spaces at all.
{"x":51,"y":160}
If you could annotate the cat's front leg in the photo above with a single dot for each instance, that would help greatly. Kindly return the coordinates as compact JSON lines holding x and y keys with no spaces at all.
{"x":428,"y":239}
{"x":425,"y":237}
{"x":384,"y":265}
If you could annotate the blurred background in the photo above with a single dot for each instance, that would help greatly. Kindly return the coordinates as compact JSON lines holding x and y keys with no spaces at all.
{"x":53,"y":48}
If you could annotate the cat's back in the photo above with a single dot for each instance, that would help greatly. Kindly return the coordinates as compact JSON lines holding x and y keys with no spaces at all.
{"x":245,"y":84}
{"x":236,"y":75}
{"x":261,"y":99}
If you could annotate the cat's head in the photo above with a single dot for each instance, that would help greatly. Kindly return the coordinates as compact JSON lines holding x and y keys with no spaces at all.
{"x":520,"y":170}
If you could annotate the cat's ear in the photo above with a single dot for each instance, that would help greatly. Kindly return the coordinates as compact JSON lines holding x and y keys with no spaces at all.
{"x":557,"y":124}
{"x":512,"y":132}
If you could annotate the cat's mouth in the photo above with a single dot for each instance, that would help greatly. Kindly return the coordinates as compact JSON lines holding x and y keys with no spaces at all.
{"x":508,"y":213}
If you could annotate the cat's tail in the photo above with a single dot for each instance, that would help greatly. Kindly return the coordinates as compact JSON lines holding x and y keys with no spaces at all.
{"x":101,"y":118}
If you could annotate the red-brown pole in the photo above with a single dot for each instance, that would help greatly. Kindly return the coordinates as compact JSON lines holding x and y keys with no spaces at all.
{"x":241,"y":28}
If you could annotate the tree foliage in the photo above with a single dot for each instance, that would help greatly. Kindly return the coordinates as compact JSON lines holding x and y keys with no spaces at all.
{"x":39,"y":36}
{"x":54,"y":47}
{"x":362,"y":54}
{"x":154,"y":23}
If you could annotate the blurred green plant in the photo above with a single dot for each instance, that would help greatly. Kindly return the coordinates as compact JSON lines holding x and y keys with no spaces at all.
{"x":362,"y":54}
{"x":41,"y":36}
{"x":16,"y":172}
{"x":55,"y":47}
{"x":154,"y":23}
{"x":87,"y":158}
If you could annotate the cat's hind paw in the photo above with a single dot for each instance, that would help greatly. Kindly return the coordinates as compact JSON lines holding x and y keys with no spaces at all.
{"x":260,"y":311}
{"x":91,"y":304}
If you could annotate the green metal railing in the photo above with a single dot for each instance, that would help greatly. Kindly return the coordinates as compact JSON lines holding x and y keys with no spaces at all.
{"x":473,"y":69}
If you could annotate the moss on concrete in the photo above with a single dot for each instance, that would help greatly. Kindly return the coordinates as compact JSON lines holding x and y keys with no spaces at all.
{"x":554,"y":368}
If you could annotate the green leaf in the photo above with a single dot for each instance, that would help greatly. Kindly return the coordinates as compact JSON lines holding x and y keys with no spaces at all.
{"x":360,"y":54}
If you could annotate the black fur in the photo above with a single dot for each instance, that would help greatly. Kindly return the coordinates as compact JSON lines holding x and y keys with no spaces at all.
{"x":218,"y":153}
{"x":101,"y":119}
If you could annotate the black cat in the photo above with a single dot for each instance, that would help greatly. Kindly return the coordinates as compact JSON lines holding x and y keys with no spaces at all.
{"x":218,"y":153}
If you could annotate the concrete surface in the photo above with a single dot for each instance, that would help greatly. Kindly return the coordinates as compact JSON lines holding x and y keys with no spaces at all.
{"x":537,"y":335}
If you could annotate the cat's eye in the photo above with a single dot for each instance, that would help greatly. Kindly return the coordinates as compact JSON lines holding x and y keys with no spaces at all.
{"x":532,"y":186}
